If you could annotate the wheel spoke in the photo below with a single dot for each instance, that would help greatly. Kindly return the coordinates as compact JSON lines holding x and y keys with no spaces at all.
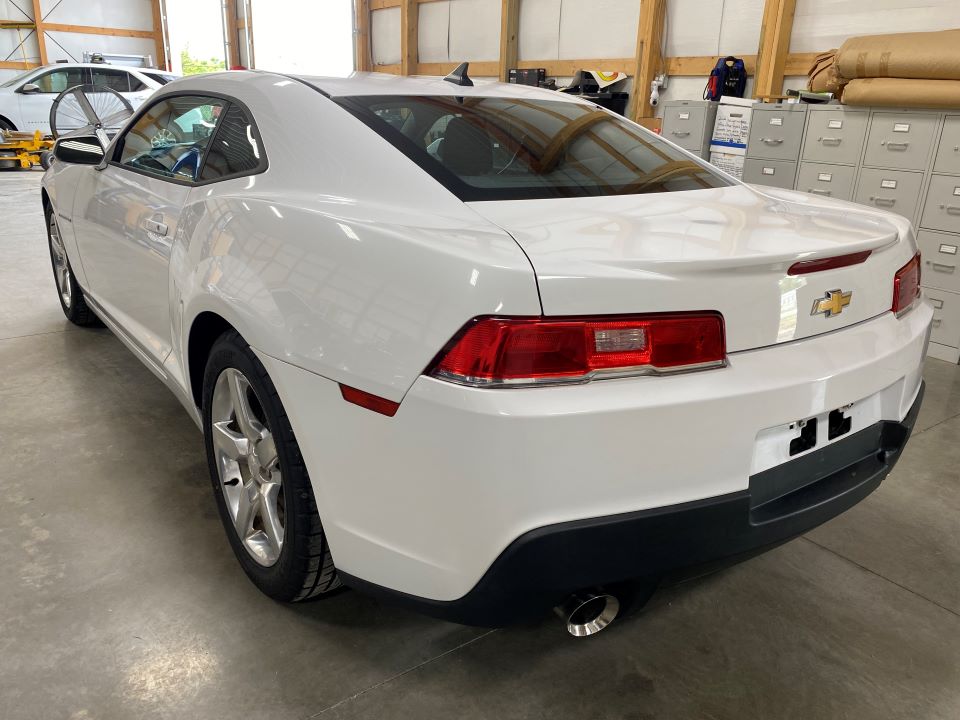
{"x":229,"y":443}
{"x":267,"y":451}
{"x":248,"y":424}
{"x":247,"y":506}
{"x":269,"y":513}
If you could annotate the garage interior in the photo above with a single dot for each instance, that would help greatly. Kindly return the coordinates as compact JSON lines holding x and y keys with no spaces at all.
{"x":122,"y":598}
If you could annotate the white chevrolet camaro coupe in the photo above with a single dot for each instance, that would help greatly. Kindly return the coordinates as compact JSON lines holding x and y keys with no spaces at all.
{"x":488,"y":349}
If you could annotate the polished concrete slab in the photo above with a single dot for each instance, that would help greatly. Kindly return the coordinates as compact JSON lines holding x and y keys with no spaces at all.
{"x":121,"y":599}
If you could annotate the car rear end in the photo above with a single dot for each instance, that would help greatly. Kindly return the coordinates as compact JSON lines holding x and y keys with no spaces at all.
{"x":714,"y":371}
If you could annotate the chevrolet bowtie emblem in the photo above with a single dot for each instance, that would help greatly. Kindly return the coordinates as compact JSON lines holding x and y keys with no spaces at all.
{"x":832,"y":303}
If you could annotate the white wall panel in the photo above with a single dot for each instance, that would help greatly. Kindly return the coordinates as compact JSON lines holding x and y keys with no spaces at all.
{"x":693,"y":27}
{"x":71,"y":46}
{"x":9,"y":42}
{"x":434,"y":29}
{"x":823,"y":24}
{"x":598,"y":28}
{"x":384,"y":36}
{"x":474,"y":30}
{"x":539,"y":36}
{"x":740,"y":27}
{"x":130,"y":14}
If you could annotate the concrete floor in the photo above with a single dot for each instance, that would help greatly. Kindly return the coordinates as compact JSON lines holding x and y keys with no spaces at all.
{"x":121,"y":598}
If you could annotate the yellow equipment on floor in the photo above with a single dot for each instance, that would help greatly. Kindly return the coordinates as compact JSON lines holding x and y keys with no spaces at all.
{"x":22,"y":150}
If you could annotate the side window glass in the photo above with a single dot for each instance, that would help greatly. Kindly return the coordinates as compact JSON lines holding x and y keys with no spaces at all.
{"x":236,"y":146}
{"x":136,"y":84}
{"x":113,"y":79}
{"x":169,"y":139}
{"x":56,"y":81}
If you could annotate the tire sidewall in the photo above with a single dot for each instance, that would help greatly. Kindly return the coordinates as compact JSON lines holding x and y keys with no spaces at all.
{"x":68,"y":310}
{"x":282,"y":579}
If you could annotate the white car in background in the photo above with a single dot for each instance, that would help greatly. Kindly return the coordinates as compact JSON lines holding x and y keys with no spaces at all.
{"x":549,"y":361}
{"x":25,"y":99}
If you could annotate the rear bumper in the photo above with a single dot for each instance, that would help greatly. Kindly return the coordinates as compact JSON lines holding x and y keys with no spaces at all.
{"x":540,"y":568}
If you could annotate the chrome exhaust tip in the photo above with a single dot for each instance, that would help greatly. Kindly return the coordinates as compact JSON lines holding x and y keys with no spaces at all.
{"x":587,"y":613}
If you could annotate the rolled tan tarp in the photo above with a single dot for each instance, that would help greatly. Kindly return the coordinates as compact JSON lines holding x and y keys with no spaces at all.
{"x":922,"y":55}
{"x":902,"y":92}
{"x":823,"y":75}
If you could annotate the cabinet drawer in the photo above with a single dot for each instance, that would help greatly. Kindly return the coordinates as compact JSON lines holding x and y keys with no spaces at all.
{"x":948,"y":152}
{"x":941,"y":260}
{"x":900,"y":140}
{"x":685,"y":125}
{"x":835,"y":136}
{"x":946,"y":317}
{"x":777,"y":173}
{"x":834,"y":181}
{"x":941,"y":211}
{"x":894,"y":190}
{"x":775,"y":134}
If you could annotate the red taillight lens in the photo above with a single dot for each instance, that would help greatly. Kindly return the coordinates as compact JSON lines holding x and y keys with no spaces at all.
{"x":832,"y":263}
{"x":906,"y":285}
{"x":492,"y":351}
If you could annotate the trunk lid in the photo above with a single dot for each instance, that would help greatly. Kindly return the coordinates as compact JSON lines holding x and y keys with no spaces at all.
{"x":726,"y":249}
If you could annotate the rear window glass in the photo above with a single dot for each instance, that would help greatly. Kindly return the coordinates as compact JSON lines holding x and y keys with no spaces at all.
{"x":495,"y":148}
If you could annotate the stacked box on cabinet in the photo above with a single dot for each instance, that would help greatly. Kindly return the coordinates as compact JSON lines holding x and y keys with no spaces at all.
{"x":731,"y":130}
{"x":774,"y":146}
{"x":689,"y":124}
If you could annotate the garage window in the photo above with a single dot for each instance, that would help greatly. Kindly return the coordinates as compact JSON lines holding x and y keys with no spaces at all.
{"x":497,"y":148}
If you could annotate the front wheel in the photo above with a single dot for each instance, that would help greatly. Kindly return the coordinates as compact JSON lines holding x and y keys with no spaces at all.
{"x":261,"y":485}
{"x":71,"y":296}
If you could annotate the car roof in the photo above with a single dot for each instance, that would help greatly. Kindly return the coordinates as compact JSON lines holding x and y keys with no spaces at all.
{"x":374,"y":83}
{"x":53,"y":66}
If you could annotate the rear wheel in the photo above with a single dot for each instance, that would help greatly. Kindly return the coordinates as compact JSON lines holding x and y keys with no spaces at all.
{"x":259,"y":479}
{"x":71,"y":296}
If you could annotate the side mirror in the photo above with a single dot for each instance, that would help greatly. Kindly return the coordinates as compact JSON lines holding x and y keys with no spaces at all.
{"x":79,"y":150}
{"x":30,"y":89}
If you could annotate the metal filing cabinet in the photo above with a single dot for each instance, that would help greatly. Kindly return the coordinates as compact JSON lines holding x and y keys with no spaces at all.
{"x":834,"y":181}
{"x":835,"y":135}
{"x":689,"y":124}
{"x":900,"y":140}
{"x":776,"y":173}
{"x":776,"y":131}
{"x":894,"y":190}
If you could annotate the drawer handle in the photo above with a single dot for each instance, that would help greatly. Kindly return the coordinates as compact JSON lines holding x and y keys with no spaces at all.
{"x":897,"y":145}
{"x":884,"y":202}
{"x":936,"y":322}
{"x":943,"y":267}
{"x":937,"y":303}
{"x":831,"y":141}
{"x":819,"y":191}
{"x":772,"y":141}
{"x":680,"y":133}
{"x":952,"y":209}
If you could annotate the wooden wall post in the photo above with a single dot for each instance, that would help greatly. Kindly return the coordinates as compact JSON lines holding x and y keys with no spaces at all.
{"x":232,"y":29}
{"x":409,"y":36}
{"x":159,"y":38}
{"x":774,"y":47}
{"x":509,"y":30}
{"x":362,"y":51}
{"x":649,"y":59}
{"x":41,"y":36}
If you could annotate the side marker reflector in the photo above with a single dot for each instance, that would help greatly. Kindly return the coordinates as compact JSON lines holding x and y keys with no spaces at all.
{"x":369,"y":401}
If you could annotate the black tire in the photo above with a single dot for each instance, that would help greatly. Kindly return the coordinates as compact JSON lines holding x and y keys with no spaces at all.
{"x":304,"y":569}
{"x":74,"y":306}
{"x":6,"y":125}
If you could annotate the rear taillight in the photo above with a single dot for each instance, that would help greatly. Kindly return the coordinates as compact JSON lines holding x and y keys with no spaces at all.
{"x":528,"y":351}
{"x":906,"y":285}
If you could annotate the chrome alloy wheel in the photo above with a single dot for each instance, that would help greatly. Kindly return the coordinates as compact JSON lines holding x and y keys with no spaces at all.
{"x":249,"y":469}
{"x":61,"y":268}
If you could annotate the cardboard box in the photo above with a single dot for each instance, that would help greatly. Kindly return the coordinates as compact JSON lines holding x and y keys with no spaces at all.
{"x":732,"y":127}
{"x":730,"y":163}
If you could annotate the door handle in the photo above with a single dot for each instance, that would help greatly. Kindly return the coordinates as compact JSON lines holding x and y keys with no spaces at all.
{"x":155,"y":226}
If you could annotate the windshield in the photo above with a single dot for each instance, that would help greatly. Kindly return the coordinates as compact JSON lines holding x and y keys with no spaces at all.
{"x":496,"y":148}
{"x":161,"y":78}
{"x":18,"y":78}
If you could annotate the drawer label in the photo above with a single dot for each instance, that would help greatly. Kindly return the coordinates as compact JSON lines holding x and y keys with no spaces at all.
{"x":768,"y":171}
{"x":938,"y":304}
{"x":825,"y":177}
{"x":948,"y":249}
{"x":776,"y":121}
{"x":901,"y":127}
{"x":888,"y":184}
{"x":835,"y":124}
{"x":684,"y":116}
{"x":956,"y":191}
